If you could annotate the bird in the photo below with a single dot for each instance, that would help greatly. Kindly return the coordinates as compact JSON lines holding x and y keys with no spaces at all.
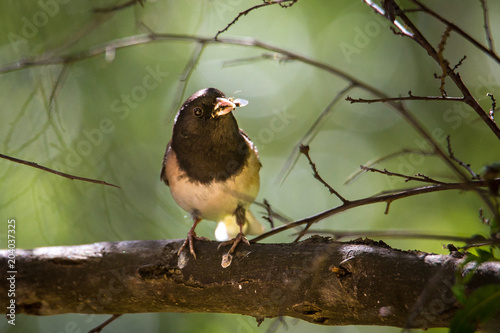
{"x":212,"y":168}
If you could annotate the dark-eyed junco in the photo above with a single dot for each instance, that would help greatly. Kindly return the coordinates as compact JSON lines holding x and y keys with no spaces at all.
{"x":212,"y":168}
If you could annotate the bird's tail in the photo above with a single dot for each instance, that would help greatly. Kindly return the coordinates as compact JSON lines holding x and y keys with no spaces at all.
{"x":228,"y":228}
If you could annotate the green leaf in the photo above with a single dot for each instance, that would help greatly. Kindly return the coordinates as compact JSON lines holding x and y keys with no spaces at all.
{"x":479,"y":307}
{"x":484,"y":256}
{"x":459,"y":292}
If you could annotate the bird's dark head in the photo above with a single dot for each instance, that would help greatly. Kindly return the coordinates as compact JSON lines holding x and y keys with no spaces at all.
{"x":204,"y":107}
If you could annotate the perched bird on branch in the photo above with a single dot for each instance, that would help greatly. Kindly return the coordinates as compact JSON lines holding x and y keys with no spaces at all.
{"x":212,"y":168}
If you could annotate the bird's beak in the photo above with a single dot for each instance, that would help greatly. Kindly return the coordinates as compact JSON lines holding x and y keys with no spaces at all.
{"x":223,"y":106}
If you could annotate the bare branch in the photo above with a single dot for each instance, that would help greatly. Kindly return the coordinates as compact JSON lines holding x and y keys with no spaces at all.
{"x":186,"y":75}
{"x":418,"y":177}
{"x":378,"y":160}
{"x":100,"y":327}
{"x":272,"y":213}
{"x":389,"y":11}
{"x":387,"y":198}
{"x":305,"y":151}
{"x":406,"y":98}
{"x":486,"y":20}
{"x":397,"y":234}
{"x":469,"y":99}
{"x":458,"y":30}
{"x":57,"y":86}
{"x":118,"y":7}
{"x":443,"y":63}
{"x":62,"y":174}
{"x":269,"y":216}
{"x":493,"y":106}
{"x":248,"y":60}
{"x":452,"y":156}
{"x":282,"y":3}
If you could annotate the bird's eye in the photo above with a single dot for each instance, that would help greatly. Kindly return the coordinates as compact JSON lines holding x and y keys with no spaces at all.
{"x":198,"y":112}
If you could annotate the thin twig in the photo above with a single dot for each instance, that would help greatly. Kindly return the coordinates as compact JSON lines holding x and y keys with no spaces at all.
{"x":269,"y":216}
{"x":443,"y":63}
{"x":389,"y":12}
{"x":488,"y":242}
{"x":57,"y":86}
{"x":400,"y":234}
{"x":459,"y":63}
{"x":378,"y":160}
{"x":99,"y":328}
{"x":272,"y":212}
{"x":452,"y":156}
{"x":406,"y":98}
{"x":118,"y":7}
{"x":493,"y":106}
{"x":486,"y":20}
{"x":282,"y":4}
{"x":62,"y":174}
{"x":264,"y":56}
{"x":305,"y":151}
{"x":186,"y":75}
{"x":418,"y":177}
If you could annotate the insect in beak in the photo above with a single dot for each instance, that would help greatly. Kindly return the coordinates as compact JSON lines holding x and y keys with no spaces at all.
{"x":239,"y":102}
{"x":223,"y":106}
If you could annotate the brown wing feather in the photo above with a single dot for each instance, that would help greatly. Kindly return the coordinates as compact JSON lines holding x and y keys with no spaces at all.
{"x":250,"y":144}
{"x":163,"y":176}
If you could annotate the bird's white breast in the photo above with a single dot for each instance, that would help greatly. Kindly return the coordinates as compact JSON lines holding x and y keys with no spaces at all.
{"x":216,"y":200}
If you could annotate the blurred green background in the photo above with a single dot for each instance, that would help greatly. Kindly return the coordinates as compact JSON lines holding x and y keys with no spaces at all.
{"x":109,"y":120}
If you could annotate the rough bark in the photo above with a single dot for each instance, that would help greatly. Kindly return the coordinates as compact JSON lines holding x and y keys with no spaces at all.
{"x":317,"y":280}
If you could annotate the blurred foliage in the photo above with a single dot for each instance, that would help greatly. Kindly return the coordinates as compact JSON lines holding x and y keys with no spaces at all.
{"x":480,"y":306}
{"x":111,"y":117}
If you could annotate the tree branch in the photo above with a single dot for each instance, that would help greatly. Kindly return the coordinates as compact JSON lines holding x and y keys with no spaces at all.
{"x":455,"y":77}
{"x":305,"y":151}
{"x":55,"y":172}
{"x":458,"y":30}
{"x":406,"y":98}
{"x":282,"y":3}
{"x":317,"y":280}
{"x":383,"y":197}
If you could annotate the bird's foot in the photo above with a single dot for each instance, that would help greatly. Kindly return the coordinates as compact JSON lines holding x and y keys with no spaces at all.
{"x":191,"y":236}
{"x":228,"y":257}
{"x":235,"y":241}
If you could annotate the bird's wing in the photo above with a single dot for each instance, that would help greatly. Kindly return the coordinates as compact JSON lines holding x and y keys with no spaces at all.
{"x":250,"y":144}
{"x":163,"y":175}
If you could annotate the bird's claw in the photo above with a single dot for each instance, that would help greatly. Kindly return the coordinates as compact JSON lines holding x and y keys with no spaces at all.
{"x":189,"y":241}
{"x":235,"y":241}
